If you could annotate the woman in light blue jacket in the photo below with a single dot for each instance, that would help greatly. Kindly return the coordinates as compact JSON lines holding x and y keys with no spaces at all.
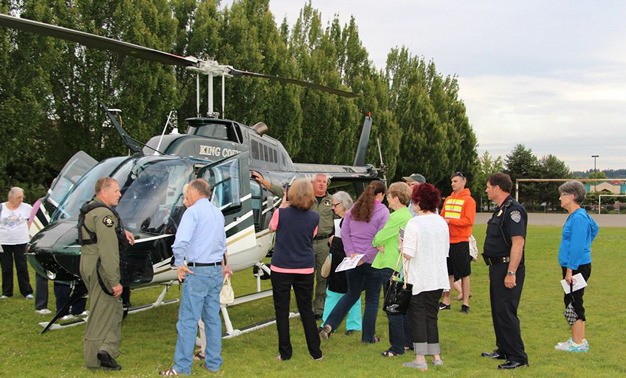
{"x":575,"y":257}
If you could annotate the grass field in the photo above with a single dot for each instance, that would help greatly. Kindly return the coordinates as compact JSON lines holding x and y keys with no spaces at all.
{"x":149,"y":337}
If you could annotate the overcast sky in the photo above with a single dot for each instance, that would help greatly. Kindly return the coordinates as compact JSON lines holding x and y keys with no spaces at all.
{"x":548,"y":74}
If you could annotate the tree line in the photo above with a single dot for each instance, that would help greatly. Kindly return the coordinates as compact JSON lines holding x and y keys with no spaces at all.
{"x":51,"y":90}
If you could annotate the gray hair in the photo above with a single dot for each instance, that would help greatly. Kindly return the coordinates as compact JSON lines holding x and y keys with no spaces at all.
{"x":576,"y":188}
{"x":325,"y":175}
{"x":15,"y":191}
{"x":343,"y":199}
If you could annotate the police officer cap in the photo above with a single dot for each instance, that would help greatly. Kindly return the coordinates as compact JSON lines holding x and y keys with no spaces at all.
{"x":415,"y":177}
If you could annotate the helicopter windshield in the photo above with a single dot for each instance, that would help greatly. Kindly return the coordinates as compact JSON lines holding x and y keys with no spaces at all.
{"x":150,"y":199}
{"x":83,"y":191}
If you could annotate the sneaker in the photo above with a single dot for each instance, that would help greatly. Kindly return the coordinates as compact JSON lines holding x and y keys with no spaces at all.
{"x":443,"y":306}
{"x":564,"y":345}
{"x":68,"y":317}
{"x":577,"y":348}
{"x":43,"y":311}
{"x":465,"y":309}
{"x":29,"y":296}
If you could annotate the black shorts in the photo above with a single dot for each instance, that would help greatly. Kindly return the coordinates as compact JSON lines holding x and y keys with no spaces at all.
{"x":576,"y":298}
{"x":459,"y":260}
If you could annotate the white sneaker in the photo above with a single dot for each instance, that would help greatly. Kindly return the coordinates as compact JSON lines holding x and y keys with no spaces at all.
{"x":43,"y":311}
{"x":67,"y":317}
{"x":29,"y":296}
{"x":84,"y":313}
{"x":564,"y":345}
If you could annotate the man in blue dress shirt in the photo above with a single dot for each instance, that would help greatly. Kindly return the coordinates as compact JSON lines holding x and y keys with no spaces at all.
{"x":201,"y":243}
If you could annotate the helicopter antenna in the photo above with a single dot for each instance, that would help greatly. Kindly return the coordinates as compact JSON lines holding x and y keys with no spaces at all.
{"x":210,"y":94}
{"x":223,"y":95}
{"x":197,"y":94}
{"x":383,"y":167}
{"x":170,"y":116}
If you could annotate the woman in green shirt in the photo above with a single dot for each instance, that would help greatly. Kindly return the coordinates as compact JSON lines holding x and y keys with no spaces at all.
{"x":386,"y":240}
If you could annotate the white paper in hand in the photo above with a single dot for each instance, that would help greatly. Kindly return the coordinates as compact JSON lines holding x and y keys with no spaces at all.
{"x":349,"y":262}
{"x":578,"y":283}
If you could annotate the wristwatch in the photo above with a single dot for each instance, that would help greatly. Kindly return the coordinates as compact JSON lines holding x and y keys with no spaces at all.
{"x":510,"y":273}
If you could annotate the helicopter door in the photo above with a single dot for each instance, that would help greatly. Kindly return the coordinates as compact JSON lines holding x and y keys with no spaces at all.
{"x":73,"y":170}
{"x":232,"y":194}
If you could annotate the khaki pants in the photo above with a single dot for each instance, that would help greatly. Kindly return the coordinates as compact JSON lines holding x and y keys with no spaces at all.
{"x":104,"y":325}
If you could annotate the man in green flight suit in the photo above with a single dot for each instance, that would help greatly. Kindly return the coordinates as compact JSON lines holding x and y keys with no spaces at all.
{"x":320,"y":242}
{"x":100,"y":270}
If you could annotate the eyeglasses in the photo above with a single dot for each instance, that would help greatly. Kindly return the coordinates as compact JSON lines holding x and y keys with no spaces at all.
{"x":460,"y":174}
{"x":335,"y":205}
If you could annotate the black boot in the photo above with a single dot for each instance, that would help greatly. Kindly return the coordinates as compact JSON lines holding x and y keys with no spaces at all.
{"x":108,"y":362}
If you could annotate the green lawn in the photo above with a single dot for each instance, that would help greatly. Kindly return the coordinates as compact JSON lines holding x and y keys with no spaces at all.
{"x":149,"y":337}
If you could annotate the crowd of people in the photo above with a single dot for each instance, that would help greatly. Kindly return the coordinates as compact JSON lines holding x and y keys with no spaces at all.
{"x":412,"y":239}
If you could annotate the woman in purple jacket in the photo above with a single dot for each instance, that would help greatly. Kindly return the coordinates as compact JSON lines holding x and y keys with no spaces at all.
{"x":360,"y":225}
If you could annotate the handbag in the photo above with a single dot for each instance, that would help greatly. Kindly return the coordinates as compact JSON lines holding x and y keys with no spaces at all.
{"x":227,"y":295}
{"x":399,"y":292}
{"x":570,"y":313}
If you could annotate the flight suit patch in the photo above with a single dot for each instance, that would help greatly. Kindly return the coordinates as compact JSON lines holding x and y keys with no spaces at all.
{"x":108,"y":221}
{"x":516,"y":216}
{"x":326,"y":202}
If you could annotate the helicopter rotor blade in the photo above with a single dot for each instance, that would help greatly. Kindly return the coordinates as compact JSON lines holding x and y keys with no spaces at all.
{"x":323,"y":88}
{"x":146,"y":53}
{"x":95,"y":41}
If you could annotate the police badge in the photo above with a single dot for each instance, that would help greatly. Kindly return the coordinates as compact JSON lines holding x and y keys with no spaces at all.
{"x":516,"y":216}
{"x":108,"y":221}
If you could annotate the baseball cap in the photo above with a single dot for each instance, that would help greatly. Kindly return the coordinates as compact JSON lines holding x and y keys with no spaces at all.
{"x":415,"y":177}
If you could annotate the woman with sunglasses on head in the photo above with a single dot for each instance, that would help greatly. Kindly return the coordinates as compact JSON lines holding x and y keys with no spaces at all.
{"x":337,"y":282}
{"x":360,"y":225}
{"x":388,"y":261}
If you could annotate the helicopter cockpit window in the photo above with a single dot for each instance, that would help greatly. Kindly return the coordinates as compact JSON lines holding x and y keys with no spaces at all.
{"x":224,"y":181}
{"x":149,"y":199}
{"x":214,"y":130}
{"x":84,"y":189}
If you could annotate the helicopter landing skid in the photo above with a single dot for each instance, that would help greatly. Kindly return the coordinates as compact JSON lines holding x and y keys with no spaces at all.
{"x":82,"y":319}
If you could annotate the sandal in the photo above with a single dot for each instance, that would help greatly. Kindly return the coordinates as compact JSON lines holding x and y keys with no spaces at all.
{"x":168,"y":372}
{"x":325,"y":332}
{"x":376,"y":340}
{"x":198,"y":357}
{"x":389,"y":353}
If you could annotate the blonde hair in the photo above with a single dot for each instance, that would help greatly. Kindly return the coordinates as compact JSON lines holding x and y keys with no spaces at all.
{"x":301,"y":194}
{"x":400,"y":190}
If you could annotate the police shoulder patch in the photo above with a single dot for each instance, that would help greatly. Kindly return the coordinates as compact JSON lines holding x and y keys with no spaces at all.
{"x":516,"y":216}
{"x":108,"y":221}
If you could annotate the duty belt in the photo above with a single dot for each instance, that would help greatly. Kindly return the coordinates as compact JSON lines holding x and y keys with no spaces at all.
{"x":496,"y":260}
{"x":320,"y":237}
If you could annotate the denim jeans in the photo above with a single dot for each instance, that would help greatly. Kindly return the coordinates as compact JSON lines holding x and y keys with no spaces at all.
{"x":200,"y":298}
{"x":399,"y":325}
{"x":363,"y":277}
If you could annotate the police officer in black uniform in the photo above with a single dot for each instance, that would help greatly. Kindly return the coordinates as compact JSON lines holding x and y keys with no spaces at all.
{"x":504,"y":253}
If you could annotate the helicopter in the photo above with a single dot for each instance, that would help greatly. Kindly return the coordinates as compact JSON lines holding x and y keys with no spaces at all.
{"x":222,"y":151}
